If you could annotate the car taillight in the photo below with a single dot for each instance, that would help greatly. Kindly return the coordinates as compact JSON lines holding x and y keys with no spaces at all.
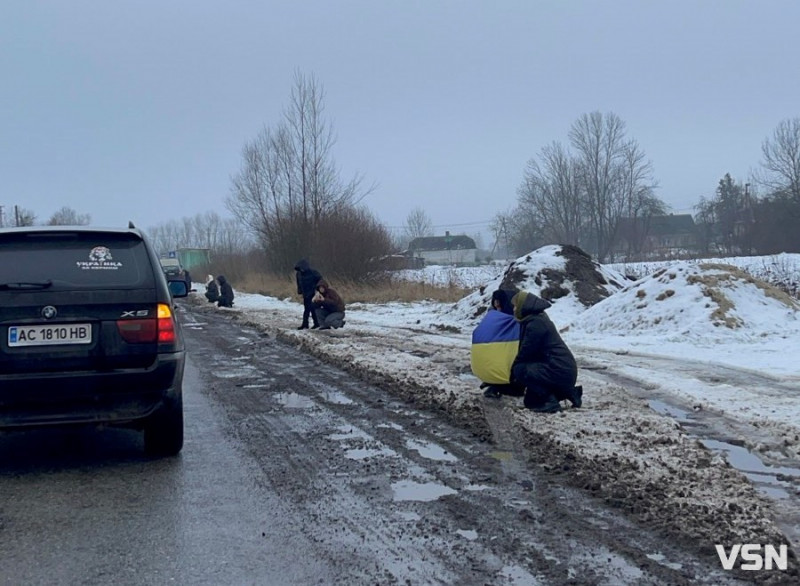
{"x":166,"y":325}
{"x":141,"y":331}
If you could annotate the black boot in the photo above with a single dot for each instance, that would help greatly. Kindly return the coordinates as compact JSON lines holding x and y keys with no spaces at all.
{"x":575,"y":396}
{"x":550,"y":405}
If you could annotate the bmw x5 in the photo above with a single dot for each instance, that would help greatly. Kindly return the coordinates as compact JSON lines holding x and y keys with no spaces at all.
{"x":88,"y":333}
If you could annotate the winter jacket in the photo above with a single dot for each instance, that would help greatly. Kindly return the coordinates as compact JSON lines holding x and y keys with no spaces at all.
{"x":494,"y":346}
{"x":331,"y":300}
{"x":225,"y":292}
{"x":212,"y":289}
{"x":307,"y":279}
{"x":543,"y":359}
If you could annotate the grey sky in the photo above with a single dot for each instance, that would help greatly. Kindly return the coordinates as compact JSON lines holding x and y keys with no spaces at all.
{"x":139,"y":110}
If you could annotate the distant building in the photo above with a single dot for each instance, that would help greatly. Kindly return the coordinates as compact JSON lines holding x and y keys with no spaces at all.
{"x":445,"y":250}
{"x":193,"y":258}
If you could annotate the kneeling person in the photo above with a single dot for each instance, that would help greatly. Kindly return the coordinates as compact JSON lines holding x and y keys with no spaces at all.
{"x":328,"y":306}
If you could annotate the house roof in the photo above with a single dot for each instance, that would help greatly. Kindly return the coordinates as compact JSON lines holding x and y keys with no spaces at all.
{"x":442,"y":243}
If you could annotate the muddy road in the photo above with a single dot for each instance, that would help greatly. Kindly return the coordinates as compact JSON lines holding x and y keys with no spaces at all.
{"x":389,"y":493}
{"x":297,"y":472}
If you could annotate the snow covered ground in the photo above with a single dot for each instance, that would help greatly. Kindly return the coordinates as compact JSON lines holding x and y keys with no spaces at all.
{"x":681,"y":369}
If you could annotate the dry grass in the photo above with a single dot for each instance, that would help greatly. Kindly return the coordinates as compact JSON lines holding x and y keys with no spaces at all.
{"x":383,"y":291}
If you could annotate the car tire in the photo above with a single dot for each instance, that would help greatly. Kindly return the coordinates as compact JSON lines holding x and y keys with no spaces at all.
{"x":163,"y":431}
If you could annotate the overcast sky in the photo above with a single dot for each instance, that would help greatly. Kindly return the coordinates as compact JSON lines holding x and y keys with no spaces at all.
{"x":139,"y":110}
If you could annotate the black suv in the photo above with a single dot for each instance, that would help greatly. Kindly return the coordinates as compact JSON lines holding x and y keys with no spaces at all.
{"x":88,"y":333}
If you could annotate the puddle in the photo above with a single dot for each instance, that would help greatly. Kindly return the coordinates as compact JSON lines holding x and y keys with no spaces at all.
{"x":406,"y":490}
{"x":337,"y":398}
{"x":469,"y":534}
{"x":764,"y":477}
{"x":430,"y":451}
{"x":294,"y":401}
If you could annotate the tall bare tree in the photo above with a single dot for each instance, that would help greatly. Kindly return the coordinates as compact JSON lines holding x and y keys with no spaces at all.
{"x":288,"y":183}
{"x":781,"y":160}
{"x":600,"y":144}
{"x":580,"y":197}
{"x":552,"y":188}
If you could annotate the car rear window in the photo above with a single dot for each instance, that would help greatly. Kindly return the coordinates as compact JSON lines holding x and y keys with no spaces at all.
{"x":75,"y":259}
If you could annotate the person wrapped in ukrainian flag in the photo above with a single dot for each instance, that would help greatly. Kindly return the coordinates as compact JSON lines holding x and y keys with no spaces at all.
{"x":494,"y":346}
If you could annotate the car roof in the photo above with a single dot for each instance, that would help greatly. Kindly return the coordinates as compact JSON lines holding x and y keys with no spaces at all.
{"x":78,"y":229}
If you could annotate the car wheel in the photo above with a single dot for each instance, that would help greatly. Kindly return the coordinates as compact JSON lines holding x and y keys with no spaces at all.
{"x":163,"y":432}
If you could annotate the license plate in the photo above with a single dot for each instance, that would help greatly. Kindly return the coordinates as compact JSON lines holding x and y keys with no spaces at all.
{"x":50,"y":335}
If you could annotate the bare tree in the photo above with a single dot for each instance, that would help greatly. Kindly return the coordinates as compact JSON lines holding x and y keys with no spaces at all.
{"x":552,"y":189}
{"x":614,"y":172}
{"x":208,"y":230}
{"x":68,"y":217}
{"x":418,"y":224}
{"x":288,"y":184}
{"x":781,"y":160}
{"x":581,"y":198}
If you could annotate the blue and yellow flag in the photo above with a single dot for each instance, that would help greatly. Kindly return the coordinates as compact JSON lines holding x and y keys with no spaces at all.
{"x":494,"y":346}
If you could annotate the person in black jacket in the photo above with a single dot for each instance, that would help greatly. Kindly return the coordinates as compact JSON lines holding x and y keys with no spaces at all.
{"x":225,"y":292}
{"x":544,"y":364}
{"x":307,"y":279}
{"x":212,"y":289}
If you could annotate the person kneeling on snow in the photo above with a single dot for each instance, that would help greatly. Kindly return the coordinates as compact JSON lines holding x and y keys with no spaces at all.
{"x":328,"y":306}
{"x":494,"y":346}
{"x":212,"y":289}
{"x":225,"y":292}
{"x":544,"y":364}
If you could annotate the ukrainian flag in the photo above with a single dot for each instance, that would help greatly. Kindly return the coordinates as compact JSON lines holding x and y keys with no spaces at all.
{"x":494,"y":346}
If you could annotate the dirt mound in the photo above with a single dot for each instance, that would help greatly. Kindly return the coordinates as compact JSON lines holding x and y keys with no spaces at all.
{"x":564,"y":275}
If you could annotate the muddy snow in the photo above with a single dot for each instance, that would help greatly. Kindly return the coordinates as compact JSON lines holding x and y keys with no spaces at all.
{"x":705,"y":340}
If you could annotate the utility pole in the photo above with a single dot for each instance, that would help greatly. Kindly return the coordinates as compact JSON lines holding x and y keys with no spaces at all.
{"x":16,"y":215}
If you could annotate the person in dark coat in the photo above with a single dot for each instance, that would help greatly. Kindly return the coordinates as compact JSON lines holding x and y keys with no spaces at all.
{"x":225,"y":292}
{"x":544,"y":364}
{"x":307,"y":279}
{"x":212,"y":289}
{"x":328,"y":306}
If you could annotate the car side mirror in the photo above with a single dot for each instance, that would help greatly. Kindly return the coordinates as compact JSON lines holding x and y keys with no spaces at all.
{"x":178,"y":288}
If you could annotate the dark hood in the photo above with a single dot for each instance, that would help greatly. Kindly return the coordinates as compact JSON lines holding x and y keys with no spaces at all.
{"x":322,"y":282}
{"x":504,"y":297}
{"x":527,"y":305}
{"x":302,"y":265}
{"x":222,"y":280}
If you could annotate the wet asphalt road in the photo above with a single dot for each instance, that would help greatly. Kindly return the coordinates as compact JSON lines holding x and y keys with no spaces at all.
{"x":86,"y":507}
{"x":294,"y":472}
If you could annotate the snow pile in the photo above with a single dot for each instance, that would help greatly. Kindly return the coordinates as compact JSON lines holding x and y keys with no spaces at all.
{"x":564,"y":275}
{"x":694,"y":301}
